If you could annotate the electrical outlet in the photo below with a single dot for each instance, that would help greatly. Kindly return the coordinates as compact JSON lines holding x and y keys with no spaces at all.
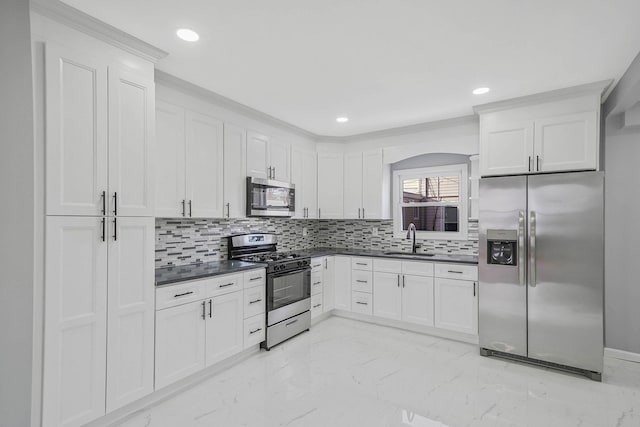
{"x":374,"y":231}
{"x":305,"y":232}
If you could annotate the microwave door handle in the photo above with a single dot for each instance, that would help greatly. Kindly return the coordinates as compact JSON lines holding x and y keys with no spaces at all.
{"x":522,"y":267}
{"x":532,"y":249}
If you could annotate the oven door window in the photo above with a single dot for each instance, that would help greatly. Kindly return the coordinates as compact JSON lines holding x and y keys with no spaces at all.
{"x":288,"y":288}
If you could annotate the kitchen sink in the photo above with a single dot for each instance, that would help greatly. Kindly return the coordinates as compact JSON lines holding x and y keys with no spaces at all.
{"x":409,"y":254}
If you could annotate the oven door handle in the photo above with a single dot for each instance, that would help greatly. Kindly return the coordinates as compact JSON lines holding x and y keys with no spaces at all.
{"x":287,"y":273}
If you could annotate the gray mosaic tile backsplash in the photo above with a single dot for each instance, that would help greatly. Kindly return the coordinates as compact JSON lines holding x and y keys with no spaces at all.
{"x":189,"y":241}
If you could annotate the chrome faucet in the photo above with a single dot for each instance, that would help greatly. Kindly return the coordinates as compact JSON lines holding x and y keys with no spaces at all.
{"x":412,"y":227}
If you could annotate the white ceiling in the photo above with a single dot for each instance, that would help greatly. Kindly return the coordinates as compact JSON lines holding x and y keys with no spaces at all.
{"x":382,"y":63}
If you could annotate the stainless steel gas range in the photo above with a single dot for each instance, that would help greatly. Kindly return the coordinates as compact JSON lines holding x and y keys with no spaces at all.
{"x":288,"y":302}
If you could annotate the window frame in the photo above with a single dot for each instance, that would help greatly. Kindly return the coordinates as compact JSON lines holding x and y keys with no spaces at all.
{"x":462,"y":170}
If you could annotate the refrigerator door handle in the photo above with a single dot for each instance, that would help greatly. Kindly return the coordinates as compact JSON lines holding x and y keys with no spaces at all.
{"x":522,"y":268}
{"x":532,"y":248}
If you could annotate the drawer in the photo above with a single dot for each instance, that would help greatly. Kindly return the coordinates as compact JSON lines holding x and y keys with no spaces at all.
{"x":360,"y":263}
{"x":317,"y":264}
{"x":362,"y":303}
{"x":457,"y":271}
{"x":417,"y":268}
{"x":316,"y":282}
{"x":362,"y":281}
{"x":255,"y":301}
{"x":387,"y":265}
{"x":221,"y":285}
{"x":256,"y":277}
{"x":172,"y":295}
{"x":254,"y":330}
{"x":316,"y":305}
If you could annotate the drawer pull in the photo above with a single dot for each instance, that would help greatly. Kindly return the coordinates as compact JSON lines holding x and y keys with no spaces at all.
{"x":362,"y":281}
{"x":361,"y":263}
{"x":317,"y":305}
{"x":317,"y":265}
{"x":455,"y":271}
{"x":317,"y":283}
{"x":182,"y":294}
{"x":253,"y":332}
{"x":255,"y":278}
{"x":226,"y":285}
{"x":255,"y":301}
{"x":291,"y":323}
{"x":362,"y":303}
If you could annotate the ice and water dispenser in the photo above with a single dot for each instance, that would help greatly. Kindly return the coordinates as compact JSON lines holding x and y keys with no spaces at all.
{"x":502,"y":247}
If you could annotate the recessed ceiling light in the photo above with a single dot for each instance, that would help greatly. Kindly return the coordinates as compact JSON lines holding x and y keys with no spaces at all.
{"x":342,"y":119}
{"x":188,"y":35}
{"x":481,"y":90}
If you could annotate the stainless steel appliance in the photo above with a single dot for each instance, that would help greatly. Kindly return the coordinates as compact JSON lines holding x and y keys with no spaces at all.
{"x":541,"y":270}
{"x":288,"y":302}
{"x":266,"y":197}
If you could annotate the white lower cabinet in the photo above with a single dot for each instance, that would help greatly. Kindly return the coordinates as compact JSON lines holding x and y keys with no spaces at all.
{"x":342,"y":285}
{"x":329,"y":280}
{"x":388,"y":295}
{"x":98,"y":336}
{"x":417,"y":299}
{"x":362,"y":303}
{"x":316,"y":305}
{"x":180,"y":345}
{"x":193,"y":335}
{"x":225,"y":325}
{"x":456,"y":305}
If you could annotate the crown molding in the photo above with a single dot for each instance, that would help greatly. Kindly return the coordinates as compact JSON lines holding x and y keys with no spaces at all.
{"x":87,"y":24}
{"x":228,"y":103}
{"x":596,"y":88}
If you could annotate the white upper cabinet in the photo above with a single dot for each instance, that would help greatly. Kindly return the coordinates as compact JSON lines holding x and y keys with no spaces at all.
{"x":99,"y":137}
{"x":131,"y":310}
{"x":330,"y":185}
{"x":566,"y":142}
{"x":553,"y":132}
{"x":280,"y":160}
{"x":76,"y":132}
{"x":304,"y":176}
{"x":170,"y":160}
{"x":268,"y":158}
{"x":366,"y":186}
{"x":506,"y":148}
{"x":235,"y":171}
{"x":131,"y":143}
{"x":353,"y":185}
{"x":204,"y":154}
{"x":258,"y":155}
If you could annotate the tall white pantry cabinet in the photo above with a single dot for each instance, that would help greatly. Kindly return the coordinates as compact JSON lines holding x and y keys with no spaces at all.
{"x":99,"y":230}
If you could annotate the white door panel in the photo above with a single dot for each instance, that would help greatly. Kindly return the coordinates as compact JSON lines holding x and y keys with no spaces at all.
{"x":225,"y":327}
{"x":170,"y":160}
{"x":387,"y":295}
{"x":352,"y":185}
{"x":235,"y":171}
{"x":506,"y":148}
{"x":417,"y":299}
{"x":257,"y":155}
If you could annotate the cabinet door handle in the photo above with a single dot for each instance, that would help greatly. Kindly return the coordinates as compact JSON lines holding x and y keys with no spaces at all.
{"x":182,"y":294}
{"x":255,"y":301}
{"x":317,"y":265}
{"x":325,"y":264}
{"x":538,"y":163}
{"x":255,"y":278}
{"x":398,"y":280}
{"x":210,"y":308}
{"x":474,"y":289}
{"x":104,"y":203}
{"x":362,"y":213}
{"x":403,"y":278}
{"x":115,"y":229}
{"x":529,"y":163}
{"x":274,"y":172}
{"x":362,"y":281}
{"x":204,"y":316}
{"x":317,"y":305}
{"x":104,"y":226}
{"x":190,"y":208}
{"x":228,"y":210}
{"x":316,"y":283}
{"x":358,"y":213}
{"x":455,"y":271}
{"x":269,"y":172}
{"x":361,"y":303}
{"x":254,"y":331}
{"x":226,"y":285}
{"x":361,"y":263}
{"x":115,"y":203}
{"x":318,"y":213}
{"x":184,"y":208}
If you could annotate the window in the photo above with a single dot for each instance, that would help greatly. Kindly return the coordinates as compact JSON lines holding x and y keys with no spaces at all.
{"x":434,"y":199}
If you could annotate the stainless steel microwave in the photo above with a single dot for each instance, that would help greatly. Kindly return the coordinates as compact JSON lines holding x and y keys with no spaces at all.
{"x":266,"y":197}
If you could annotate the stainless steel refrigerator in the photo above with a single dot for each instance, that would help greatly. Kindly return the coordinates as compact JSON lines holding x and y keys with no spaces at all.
{"x":541,"y":269}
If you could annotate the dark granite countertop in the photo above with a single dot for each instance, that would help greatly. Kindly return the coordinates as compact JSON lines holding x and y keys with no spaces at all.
{"x":461,"y":259}
{"x":182,"y":273}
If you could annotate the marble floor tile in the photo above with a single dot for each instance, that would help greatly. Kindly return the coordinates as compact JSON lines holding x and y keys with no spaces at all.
{"x":349,"y":373}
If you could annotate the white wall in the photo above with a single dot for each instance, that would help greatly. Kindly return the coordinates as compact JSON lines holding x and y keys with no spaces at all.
{"x":622,"y":213}
{"x":16,"y":215}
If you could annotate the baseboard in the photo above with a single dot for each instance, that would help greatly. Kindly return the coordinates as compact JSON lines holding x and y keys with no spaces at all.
{"x":118,"y":416}
{"x":321,"y":317}
{"x":622,"y":355}
{"x":427,"y":330}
